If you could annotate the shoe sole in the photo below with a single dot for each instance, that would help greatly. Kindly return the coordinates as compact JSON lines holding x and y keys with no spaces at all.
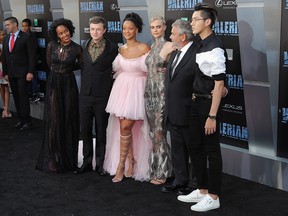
{"x":204,"y":210}
{"x":189,"y":200}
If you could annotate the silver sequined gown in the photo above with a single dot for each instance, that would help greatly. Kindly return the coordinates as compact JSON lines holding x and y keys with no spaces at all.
{"x":160,"y":166}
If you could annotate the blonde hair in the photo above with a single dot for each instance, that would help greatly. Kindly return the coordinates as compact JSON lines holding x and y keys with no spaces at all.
{"x":160,"y":18}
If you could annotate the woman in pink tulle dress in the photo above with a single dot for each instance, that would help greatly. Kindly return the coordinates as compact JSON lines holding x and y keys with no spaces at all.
{"x":127,"y":132}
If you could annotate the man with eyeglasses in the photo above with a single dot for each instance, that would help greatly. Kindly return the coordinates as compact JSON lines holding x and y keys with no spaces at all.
{"x":209,"y":77}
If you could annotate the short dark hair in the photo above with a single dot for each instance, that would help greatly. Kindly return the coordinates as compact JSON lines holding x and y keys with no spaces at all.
{"x":136,"y":19}
{"x":28,"y":21}
{"x":12,"y":20}
{"x":97,"y":20}
{"x":207,"y":11}
{"x":62,"y":21}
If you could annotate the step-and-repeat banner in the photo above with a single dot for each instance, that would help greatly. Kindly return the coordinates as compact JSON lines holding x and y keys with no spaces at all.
{"x":38,"y":11}
{"x":233,"y":127}
{"x":282,"y":149}
{"x":107,"y":9}
{"x":2,"y":26}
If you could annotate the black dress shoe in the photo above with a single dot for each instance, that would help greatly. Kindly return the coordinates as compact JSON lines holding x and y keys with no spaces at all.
{"x":26,"y":126}
{"x":84,"y":168}
{"x":19,"y":125}
{"x":171,"y":188}
{"x":101,"y":171}
{"x":185,"y":191}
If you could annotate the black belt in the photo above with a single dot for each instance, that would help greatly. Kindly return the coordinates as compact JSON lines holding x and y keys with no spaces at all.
{"x":201,"y":96}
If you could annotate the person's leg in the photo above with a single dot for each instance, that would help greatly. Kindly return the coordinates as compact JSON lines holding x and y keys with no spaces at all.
{"x":125,"y":142}
{"x":87,"y":116}
{"x":2,"y":93}
{"x":160,"y":165}
{"x":35,"y":88}
{"x":187,"y":136}
{"x":7,"y":100}
{"x":211,"y":148}
{"x":23,"y":99}
{"x":215,"y":164}
{"x":14,"y":89}
{"x":35,"y":84}
{"x":131,"y":160}
{"x":179,"y":155}
{"x":197,"y":146}
{"x":101,"y":122}
{"x":211,"y":178}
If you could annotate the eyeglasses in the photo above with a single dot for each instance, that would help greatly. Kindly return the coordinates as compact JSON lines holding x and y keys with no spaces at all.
{"x":195,"y":19}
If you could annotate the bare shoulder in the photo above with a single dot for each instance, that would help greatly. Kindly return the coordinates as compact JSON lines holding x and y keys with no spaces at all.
{"x":135,"y":50}
{"x":144,"y":48}
{"x":122,"y":49}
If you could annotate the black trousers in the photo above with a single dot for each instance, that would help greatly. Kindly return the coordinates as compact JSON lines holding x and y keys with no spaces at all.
{"x":19,"y":87}
{"x":93,"y":109}
{"x":203,"y":147}
{"x":180,"y":138}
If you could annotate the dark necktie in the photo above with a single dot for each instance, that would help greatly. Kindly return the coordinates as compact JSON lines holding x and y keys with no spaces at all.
{"x":174,"y":63}
{"x":12,"y":42}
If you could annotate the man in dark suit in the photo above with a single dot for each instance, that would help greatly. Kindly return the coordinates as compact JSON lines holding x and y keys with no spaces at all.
{"x":179,"y":80}
{"x":19,"y":65}
{"x":96,"y":84}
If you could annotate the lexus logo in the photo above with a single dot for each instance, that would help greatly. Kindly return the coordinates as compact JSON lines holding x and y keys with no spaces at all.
{"x":114,"y":7}
{"x":220,"y":3}
{"x":233,"y":107}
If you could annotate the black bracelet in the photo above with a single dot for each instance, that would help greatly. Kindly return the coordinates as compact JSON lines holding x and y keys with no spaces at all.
{"x":212,"y":117}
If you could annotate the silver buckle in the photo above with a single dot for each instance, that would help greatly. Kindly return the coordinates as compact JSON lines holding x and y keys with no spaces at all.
{"x":193,"y":97}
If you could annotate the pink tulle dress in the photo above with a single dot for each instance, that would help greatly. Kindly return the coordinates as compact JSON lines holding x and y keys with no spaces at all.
{"x":127,"y":101}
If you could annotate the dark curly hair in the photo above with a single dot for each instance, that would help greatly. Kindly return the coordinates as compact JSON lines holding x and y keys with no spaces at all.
{"x":62,"y":21}
{"x":28,"y":21}
{"x":136,"y":19}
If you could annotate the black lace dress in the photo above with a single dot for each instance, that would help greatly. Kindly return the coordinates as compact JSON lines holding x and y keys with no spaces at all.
{"x":61,"y":116}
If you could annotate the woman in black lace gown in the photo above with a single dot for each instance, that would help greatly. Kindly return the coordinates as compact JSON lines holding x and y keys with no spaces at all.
{"x":61,"y":116}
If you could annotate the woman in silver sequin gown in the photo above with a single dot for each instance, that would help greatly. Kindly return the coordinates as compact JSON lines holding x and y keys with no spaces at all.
{"x":160,"y":166}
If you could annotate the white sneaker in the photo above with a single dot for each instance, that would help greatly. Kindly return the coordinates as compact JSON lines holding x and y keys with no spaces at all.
{"x":206,"y":204}
{"x":194,"y":196}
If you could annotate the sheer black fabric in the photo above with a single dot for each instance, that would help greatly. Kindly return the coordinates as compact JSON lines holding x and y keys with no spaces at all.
{"x":61,"y":117}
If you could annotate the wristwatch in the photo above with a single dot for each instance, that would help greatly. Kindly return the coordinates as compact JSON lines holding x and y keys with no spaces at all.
{"x":212,"y":117}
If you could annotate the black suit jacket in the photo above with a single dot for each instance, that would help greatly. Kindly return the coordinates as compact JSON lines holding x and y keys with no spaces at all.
{"x":96,"y":77}
{"x":179,"y":88}
{"x":22,"y":59}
